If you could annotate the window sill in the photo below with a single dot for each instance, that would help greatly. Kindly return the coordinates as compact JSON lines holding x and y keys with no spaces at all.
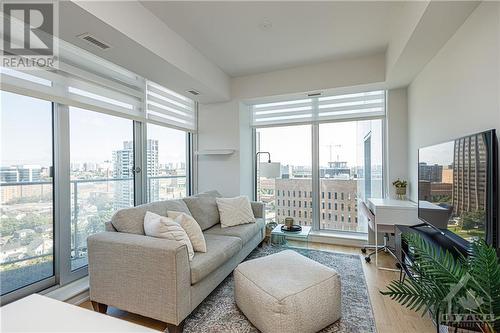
{"x":75,"y":292}
{"x":338,"y":238}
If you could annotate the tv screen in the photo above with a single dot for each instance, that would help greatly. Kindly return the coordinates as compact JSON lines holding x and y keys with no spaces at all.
{"x":456,"y":186}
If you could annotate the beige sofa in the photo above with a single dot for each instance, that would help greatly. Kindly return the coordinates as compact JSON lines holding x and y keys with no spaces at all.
{"x":153,"y":277}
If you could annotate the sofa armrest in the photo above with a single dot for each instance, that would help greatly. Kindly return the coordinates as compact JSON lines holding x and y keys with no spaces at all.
{"x":144,"y":275}
{"x":258,"y":208}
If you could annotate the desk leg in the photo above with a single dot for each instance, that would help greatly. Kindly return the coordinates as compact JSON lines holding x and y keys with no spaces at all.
{"x":376,"y":245}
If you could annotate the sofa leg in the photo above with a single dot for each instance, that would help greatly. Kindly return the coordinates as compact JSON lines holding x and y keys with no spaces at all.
{"x":99,"y":307}
{"x":171,"y":328}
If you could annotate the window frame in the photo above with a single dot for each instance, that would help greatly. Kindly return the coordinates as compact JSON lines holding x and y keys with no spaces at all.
{"x":52,"y":280}
{"x":316,"y":195}
{"x":62,"y":192}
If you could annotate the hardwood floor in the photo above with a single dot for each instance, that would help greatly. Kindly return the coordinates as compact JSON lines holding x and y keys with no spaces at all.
{"x":389,"y":316}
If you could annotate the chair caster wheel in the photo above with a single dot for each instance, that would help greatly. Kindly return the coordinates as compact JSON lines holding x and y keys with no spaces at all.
{"x":368,"y":259}
{"x":363,"y":250}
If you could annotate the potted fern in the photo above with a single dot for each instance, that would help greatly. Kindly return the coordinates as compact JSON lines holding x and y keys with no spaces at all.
{"x":459,"y":291}
{"x":400,"y":186}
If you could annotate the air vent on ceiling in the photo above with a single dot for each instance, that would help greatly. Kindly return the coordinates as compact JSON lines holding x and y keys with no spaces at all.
{"x":193,"y":92}
{"x":94,"y":41}
{"x":315,"y":94}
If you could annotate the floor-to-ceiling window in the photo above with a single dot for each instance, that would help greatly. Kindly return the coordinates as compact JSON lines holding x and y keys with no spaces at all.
{"x":26,"y":183}
{"x":102,"y":178}
{"x":166,"y":159}
{"x":289,"y":195}
{"x":350,"y":154}
{"x":332,"y":141}
{"x":91,"y":145}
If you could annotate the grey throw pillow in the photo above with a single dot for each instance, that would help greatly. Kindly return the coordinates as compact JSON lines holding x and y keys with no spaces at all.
{"x":131,"y":220}
{"x":211,"y":193}
{"x":204,"y":210}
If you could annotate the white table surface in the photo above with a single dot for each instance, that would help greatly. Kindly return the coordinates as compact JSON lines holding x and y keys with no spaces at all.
{"x":37,"y":313}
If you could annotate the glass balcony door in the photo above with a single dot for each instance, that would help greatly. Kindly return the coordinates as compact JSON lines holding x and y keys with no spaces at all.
{"x":166,"y":163}
{"x":27,"y":204}
{"x":101,"y":174}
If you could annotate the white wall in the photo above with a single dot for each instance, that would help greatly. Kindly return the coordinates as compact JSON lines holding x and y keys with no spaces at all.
{"x":458,"y":91}
{"x":219,"y":128}
{"x":227,"y":125}
{"x":328,"y":75}
{"x":396,"y":143}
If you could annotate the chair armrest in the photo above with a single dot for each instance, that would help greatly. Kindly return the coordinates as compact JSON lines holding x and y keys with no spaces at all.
{"x":140,"y":274}
{"x":258,"y":209}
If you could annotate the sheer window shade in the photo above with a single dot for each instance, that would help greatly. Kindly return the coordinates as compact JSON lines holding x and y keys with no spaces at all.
{"x":77,"y":88}
{"x":320,"y":109}
{"x":87,"y":81}
{"x":169,"y":108}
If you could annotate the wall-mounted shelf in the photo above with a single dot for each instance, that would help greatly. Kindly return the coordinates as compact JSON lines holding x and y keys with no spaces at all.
{"x":215,"y":152}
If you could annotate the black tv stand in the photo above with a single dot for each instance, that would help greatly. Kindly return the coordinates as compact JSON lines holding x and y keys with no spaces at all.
{"x":444,"y":239}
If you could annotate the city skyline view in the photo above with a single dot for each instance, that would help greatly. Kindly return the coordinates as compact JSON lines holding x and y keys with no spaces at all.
{"x":100,"y":162}
{"x":344,"y":150}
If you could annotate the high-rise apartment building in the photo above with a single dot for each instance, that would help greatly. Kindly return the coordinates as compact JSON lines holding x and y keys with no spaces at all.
{"x":20,"y":173}
{"x":469,"y":173}
{"x":432,"y":173}
{"x":123,"y":163}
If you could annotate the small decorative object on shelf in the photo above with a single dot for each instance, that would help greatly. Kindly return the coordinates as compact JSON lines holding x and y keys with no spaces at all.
{"x":400,"y":186}
{"x":288,"y":222}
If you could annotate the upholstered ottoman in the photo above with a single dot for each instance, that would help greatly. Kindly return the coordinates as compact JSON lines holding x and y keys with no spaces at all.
{"x":287,"y":292}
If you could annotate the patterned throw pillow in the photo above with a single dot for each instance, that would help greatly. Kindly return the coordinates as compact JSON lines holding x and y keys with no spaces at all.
{"x":192,"y":228}
{"x":165,"y":227}
{"x":234,"y":211}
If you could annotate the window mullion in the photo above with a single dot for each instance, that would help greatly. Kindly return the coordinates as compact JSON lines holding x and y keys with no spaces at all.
{"x":140,"y":163}
{"x":315,"y":168}
{"x":63,"y":198}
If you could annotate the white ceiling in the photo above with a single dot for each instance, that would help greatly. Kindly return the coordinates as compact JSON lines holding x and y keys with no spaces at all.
{"x":230,"y":35}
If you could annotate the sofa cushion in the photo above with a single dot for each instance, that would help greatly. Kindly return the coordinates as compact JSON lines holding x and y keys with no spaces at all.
{"x":204,"y":210}
{"x":219,"y":250}
{"x":211,"y":193}
{"x":245,"y":232}
{"x":234,"y":211}
{"x":131,"y":220}
{"x":165,"y":227}
{"x":192,"y":228}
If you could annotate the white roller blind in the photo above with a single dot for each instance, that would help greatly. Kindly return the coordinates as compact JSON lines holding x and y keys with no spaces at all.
{"x":318,"y":109}
{"x":66,"y":88}
{"x":83,"y":80}
{"x":169,"y":108}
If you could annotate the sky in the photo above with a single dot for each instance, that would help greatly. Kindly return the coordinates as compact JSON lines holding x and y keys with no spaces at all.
{"x":26,"y":133}
{"x":441,"y":154}
{"x":338,"y":141}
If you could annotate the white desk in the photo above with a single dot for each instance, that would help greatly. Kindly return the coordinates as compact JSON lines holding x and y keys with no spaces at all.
{"x":389,"y":212}
{"x":37,"y":313}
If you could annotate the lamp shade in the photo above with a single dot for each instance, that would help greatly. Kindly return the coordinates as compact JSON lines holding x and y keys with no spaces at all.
{"x":270,"y":170}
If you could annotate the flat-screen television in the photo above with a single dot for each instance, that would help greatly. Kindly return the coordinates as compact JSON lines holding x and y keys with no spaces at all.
{"x":457,"y":187}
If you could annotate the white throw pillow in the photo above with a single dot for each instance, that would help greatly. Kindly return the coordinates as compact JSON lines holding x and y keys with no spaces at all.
{"x":165,"y":227}
{"x":192,"y":228}
{"x":234,"y":211}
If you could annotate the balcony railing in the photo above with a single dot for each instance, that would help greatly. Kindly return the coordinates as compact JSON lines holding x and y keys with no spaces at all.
{"x":93,"y":202}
